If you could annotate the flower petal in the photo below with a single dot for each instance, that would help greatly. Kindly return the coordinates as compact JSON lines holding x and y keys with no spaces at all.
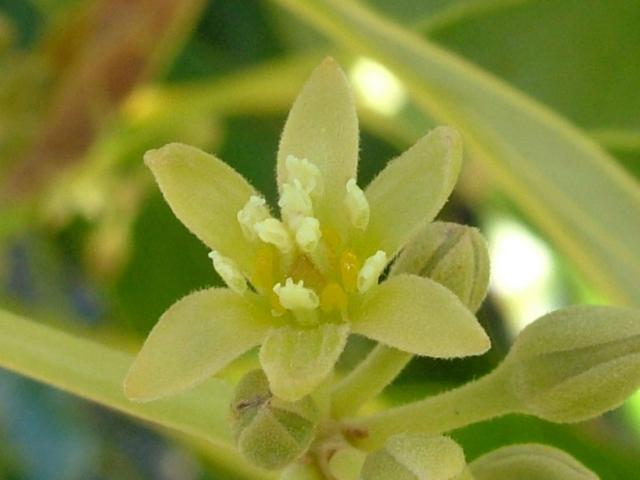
{"x":194,"y":338}
{"x":323,"y":128}
{"x":206,"y":195}
{"x":296,"y":360}
{"x":420,"y":316}
{"x":411,"y":190}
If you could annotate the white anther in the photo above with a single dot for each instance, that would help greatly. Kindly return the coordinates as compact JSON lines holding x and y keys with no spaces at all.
{"x":229,"y":272}
{"x":274,"y":232}
{"x":371,"y":271}
{"x":294,"y":203}
{"x":304,"y":172}
{"x":254,"y":211}
{"x":308,"y":234}
{"x":357,"y":205}
{"x":295,"y":296}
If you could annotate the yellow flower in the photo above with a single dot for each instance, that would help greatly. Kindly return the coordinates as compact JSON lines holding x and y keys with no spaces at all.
{"x":301,"y":282}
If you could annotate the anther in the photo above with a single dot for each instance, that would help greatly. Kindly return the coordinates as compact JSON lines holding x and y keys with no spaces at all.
{"x":229,"y":272}
{"x":357,"y":205}
{"x":308,"y":234}
{"x":294,"y":203}
{"x":274,"y":232}
{"x":304,"y":172}
{"x":295,"y":296}
{"x":371,"y":271}
{"x":254,"y":211}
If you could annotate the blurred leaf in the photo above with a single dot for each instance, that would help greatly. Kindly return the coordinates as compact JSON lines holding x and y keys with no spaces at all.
{"x":95,"y":372}
{"x":569,"y":187}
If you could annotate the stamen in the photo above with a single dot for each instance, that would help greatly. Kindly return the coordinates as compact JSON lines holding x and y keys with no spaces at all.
{"x":229,"y":272}
{"x":333,"y":298}
{"x":304,"y":172}
{"x":357,"y":205}
{"x":294,"y":204}
{"x":308,"y":234}
{"x":274,"y":232}
{"x":371,"y":271}
{"x":349,"y":266}
{"x":254,"y":211}
{"x":294,"y":296}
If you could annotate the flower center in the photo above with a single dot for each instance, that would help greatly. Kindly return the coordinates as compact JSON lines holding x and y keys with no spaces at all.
{"x":301,"y":265}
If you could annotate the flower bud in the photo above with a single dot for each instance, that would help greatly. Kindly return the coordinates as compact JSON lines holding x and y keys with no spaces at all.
{"x":453,"y":255}
{"x":270,"y":432}
{"x":575,"y":363}
{"x":415,"y":456}
{"x":529,"y":462}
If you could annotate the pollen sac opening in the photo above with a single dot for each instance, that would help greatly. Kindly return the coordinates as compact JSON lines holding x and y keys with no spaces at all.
{"x":295,"y":296}
{"x":254,"y":211}
{"x":371,"y":270}
{"x":229,"y":272}
{"x":274,"y":232}
{"x":357,"y":205}
{"x":305,"y":172}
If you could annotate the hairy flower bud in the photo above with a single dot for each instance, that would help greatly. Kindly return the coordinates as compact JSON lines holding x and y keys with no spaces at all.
{"x":415,"y":456}
{"x":453,"y":255}
{"x":529,"y":462}
{"x":576,"y":363}
{"x":270,"y":432}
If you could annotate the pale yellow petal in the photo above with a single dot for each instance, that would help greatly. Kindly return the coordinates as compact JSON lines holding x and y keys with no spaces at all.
{"x":296,"y":360}
{"x":417,"y":315}
{"x":322,"y":127}
{"x":194,"y":338}
{"x":411,"y":190}
{"x":206,"y":195}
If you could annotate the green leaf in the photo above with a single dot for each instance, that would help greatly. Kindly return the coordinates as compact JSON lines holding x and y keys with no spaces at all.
{"x":529,"y":462}
{"x":411,"y":190}
{"x":570,"y":188}
{"x":576,"y":363}
{"x":194,"y":338}
{"x":419,"y":316}
{"x":323,"y":128}
{"x":415,"y":456}
{"x":206,"y":195}
{"x":95,"y":372}
{"x":296,"y":360}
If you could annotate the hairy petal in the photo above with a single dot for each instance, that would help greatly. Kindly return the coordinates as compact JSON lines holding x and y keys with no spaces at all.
{"x":194,"y":338}
{"x":420,"y":316}
{"x":206,"y":195}
{"x":296,"y":360}
{"x":323,"y":128}
{"x":411,"y":190}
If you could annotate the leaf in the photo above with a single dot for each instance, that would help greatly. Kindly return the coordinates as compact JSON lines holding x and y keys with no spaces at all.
{"x":411,"y":190}
{"x":197,"y":336}
{"x":417,"y":315}
{"x":95,"y":372}
{"x":568,"y":186}
{"x":296,"y":360}
{"x":529,"y":462}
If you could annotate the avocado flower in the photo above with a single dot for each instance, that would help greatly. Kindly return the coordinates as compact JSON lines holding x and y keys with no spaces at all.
{"x":300,"y":282}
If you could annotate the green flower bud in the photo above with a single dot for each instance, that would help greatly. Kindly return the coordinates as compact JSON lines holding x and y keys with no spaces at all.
{"x":575,"y":363}
{"x":270,"y":432}
{"x":529,"y":462}
{"x":453,"y":255}
{"x":415,"y":456}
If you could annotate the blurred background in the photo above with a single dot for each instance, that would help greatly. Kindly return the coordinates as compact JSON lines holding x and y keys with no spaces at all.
{"x":88,"y":245}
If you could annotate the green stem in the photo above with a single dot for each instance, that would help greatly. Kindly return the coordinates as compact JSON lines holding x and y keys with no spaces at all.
{"x":368,"y":379}
{"x":476,"y":401}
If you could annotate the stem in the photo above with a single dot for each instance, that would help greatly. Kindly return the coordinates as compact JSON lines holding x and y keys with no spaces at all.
{"x":476,"y":401}
{"x":368,"y":379}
